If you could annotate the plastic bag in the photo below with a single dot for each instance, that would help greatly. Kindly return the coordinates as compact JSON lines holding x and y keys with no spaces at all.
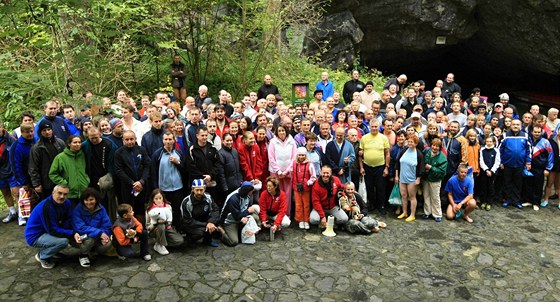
{"x":249,"y":230}
{"x":362,"y":189}
{"x":527,"y":173}
{"x":395,"y":197}
{"x":24,"y":203}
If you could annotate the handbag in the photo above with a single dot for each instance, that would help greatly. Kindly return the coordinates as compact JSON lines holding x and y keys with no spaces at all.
{"x":106,"y":182}
{"x":395,"y":197}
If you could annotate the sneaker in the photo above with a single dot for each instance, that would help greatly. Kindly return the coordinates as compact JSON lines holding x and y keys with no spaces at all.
{"x":160,"y":249}
{"x":505,"y":204}
{"x":10,"y":217}
{"x":535,"y":207}
{"x":148,"y":257}
{"x":213,"y":243}
{"x":555,"y":196}
{"x":44,"y":263}
{"x":483,"y":206}
{"x":426,"y":216}
{"x":302,"y":225}
{"x":544,"y":203}
{"x":437,"y":219}
{"x":84,"y":261}
{"x":519,"y":206}
{"x":526,"y":204}
{"x":22,"y":221}
{"x":306,"y":225}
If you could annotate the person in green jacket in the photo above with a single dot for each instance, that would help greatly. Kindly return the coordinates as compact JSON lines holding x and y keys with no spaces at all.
{"x":69,"y":168}
{"x":436,"y":167}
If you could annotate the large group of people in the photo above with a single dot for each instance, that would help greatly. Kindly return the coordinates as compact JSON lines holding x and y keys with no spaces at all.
{"x":186,"y":170}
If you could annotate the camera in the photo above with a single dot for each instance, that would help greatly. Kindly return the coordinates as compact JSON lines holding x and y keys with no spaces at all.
{"x":299,"y":187}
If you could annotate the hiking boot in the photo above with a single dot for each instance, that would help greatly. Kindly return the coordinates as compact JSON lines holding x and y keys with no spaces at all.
{"x":10,"y":217}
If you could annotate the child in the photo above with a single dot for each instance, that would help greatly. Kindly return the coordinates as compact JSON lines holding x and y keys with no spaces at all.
{"x":489,"y":164}
{"x":303,"y":178}
{"x":159,"y":217}
{"x":128,"y":230}
{"x":473,"y":151}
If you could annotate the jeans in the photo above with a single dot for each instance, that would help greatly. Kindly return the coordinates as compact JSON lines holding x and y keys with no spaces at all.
{"x":49,"y":245}
{"x":127,"y":251}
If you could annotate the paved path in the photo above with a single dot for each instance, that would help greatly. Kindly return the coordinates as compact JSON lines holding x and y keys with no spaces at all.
{"x":506,"y":255}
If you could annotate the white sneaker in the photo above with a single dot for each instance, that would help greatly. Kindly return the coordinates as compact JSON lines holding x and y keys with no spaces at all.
{"x":306,"y":225}
{"x":160,"y":249}
{"x":302,"y":225}
{"x":22,"y":221}
{"x":84,"y":261}
{"x":147,"y":257}
{"x":535,"y":207}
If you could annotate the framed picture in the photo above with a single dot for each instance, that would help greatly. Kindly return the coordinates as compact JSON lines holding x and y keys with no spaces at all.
{"x":300,"y":93}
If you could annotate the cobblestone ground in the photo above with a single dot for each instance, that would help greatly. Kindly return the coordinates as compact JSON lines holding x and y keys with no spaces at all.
{"x":505,"y":255}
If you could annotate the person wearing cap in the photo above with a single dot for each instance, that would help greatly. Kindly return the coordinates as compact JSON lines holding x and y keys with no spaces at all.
{"x":417,"y":122}
{"x":200,"y":215}
{"x":325,"y":85}
{"x":497,"y":112}
{"x":116,"y":135}
{"x":368,"y":95}
{"x":318,"y":100}
{"x":236,"y":212}
{"x":504,"y":99}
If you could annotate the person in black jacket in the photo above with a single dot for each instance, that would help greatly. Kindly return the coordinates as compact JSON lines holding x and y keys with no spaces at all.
{"x":202,"y":160}
{"x":200,"y":215}
{"x":229,"y":171}
{"x":132,"y":167}
{"x":153,"y":139}
{"x":267,"y":88}
{"x":41,"y":157}
{"x":354,"y":85}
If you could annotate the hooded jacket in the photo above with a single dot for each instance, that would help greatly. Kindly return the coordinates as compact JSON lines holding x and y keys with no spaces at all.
{"x":439,"y":166}
{"x":229,"y":171}
{"x":456,"y":150}
{"x":69,"y":168}
{"x":320,"y":197}
{"x":40,"y":161}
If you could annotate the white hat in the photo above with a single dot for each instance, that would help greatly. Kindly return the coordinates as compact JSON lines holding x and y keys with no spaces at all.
{"x":504,"y":96}
{"x":415,"y":115}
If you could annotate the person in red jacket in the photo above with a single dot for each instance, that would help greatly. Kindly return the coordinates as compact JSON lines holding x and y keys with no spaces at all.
{"x":273,"y":206}
{"x":250,"y":160}
{"x":324,"y":198}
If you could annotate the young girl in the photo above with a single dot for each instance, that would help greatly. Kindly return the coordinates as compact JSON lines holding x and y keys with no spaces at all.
{"x":473,"y":151}
{"x":159,"y":217}
{"x":302,"y":180}
{"x":489,"y":164}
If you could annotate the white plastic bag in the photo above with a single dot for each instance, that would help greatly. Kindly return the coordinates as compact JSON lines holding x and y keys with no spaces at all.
{"x":249,"y":230}
{"x":362,"y":189}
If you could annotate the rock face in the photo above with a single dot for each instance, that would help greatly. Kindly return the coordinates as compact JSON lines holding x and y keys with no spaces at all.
{"x":523,"y":35}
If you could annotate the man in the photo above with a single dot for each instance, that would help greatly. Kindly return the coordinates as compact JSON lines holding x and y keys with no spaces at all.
{"x":7,"y":179}
{"x":271,"y":106}
{"x":385,"y":99}
{"x":222,"y":122}
{"x":224,"y":99}
{"x":167,"y":164}
{"x":324,"y":199}
{"x":325,"y":85}
{"x":375,"y":112}
{"x":515,"y":152}
{"x":427,"y":102}
{"x":60,"y":129}
{"x":455,"y":148}
{"x":355,"y":175}
{"x":41,"y":157}
{"x":368,"y":95}
{"x":408,"y":102}
{"x":132,"y":168}
{"x":325,"y":135}
{"x":317,"y":100}
{"x":69,"y":118}
{"x":320,"y":117}
{"x":457,"y":115}
{"x":237,"y":211}
{"x":341,"y":153}
{"x":460,"y":190}
{"x":190,"y":103}
{"x":450,"y":87}
{"x":504,"y":99}
{"x":19,"y":162}
{"x":542,"y":162}
{"x":50,"y":226}
{"x":267,"y":88}
{"x":535,"y":109}
{"x":337,"y":103}
{"x":178,"y":73}
{"x":527,"y":124}
{"x":192,"y":126}
{"x":359,"y":222}
{"x":152,"y":140}
{"x":203,"y":159}
{"x":399,"y":82}
{"x":305,"y":129}
{"x":213,"y":137}
{"x":354,"y":85}
{"x":374,"y":165}
{"x":117,"y":130}
{"x":202,"y":96}
{"x":130,"y":123}
{"x":200,"y":215}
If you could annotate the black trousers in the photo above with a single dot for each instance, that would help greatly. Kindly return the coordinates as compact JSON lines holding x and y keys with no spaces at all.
{"x":513,"y":180}
{"x":375,"y":186}
{"x":175,"y":198}
{"x":533,"y":186}
{"x":486,"y":189}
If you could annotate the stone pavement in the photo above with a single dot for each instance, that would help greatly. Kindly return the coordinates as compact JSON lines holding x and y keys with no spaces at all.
{"x":506,"y":255}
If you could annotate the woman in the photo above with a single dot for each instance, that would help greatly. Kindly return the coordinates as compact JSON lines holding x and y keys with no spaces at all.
{"x":314,"y":154}
{"x":262,"y":141}
{"x":250,"y":161}
{"x":281,"y":155}
{"x":431,"y":133}
{"x":341,"y":120}
{"x":507,"y":124}
{"x":409,"y":168}
{"x":90,"y":218}
{"x":229,"y":171}
{"x":554,"y":175}
{"x":245,"y":124}
{"x":273,"y":206}
{"x":394,"y":153}
{"x":436,"y":167}
{"x":171,"y":114}
{"x":104,"y":126}
{"x":69,"y":168}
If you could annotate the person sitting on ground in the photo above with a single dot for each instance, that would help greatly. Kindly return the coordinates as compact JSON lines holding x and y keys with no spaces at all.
{"x":273,"y":206}
{"x":128,"y":230}
{"x":460,"y":190}
{"x":90,"y":218}
{"x":159,"y":218}
{"x":358,"y":219}
{"x":236,"y":213}
{"x":200,"y":215}
{"x":49,"y":227}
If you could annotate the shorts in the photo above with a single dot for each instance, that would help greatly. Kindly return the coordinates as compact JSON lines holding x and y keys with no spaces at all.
{"x":9,"y":182}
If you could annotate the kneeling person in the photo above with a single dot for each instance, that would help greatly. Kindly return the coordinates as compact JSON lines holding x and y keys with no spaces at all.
{"x":236,"y":213}
{"x":459,"y":189}
{"x":325,"y":200}
{"x":358,"y":220}
{"x":200,"y":214}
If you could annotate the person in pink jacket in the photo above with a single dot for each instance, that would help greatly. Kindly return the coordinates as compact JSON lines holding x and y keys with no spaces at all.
{"x":281,"y":155}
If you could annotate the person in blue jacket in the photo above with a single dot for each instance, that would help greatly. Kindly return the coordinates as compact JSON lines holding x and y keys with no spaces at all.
{"x":515,"y":152}
{"x":90,"y":218}
{"x":542,"y":161}
{"x":50,"y":226}
{"x":59,"y":126}
{"x":19,"y":161}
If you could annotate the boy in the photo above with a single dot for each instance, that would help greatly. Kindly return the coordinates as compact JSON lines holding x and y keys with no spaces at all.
{"x":128,"y":230}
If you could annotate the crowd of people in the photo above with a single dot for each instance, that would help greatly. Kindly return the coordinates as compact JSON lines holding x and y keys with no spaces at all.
{"x":189,"y":170}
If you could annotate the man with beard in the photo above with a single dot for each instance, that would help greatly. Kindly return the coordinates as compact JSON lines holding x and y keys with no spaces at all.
{"x":116,"y":135}
{"x":450,"y":87}
{"x":59,"y":126}
{"x":325,"y":199}
{"x":222,"y":122}
{"x":200,"y":215}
